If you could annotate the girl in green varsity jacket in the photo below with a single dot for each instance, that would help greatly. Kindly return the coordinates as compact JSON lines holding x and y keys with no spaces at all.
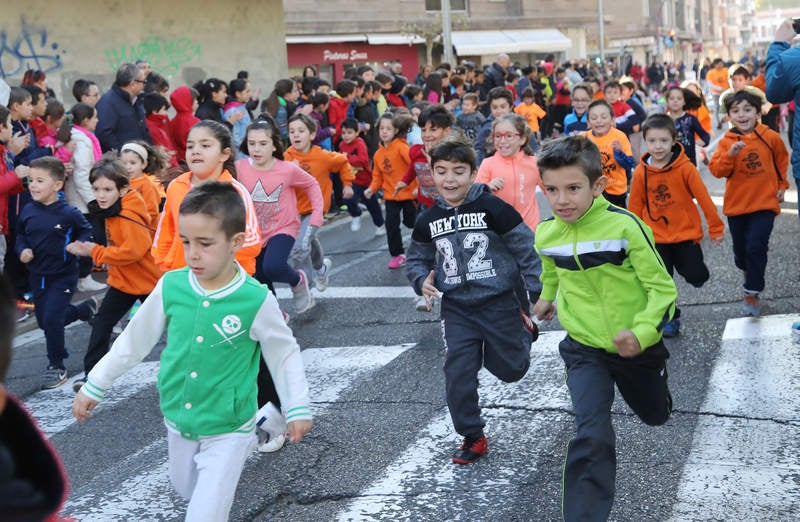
{"x":219,"y":322}
{"x":614,"y":298}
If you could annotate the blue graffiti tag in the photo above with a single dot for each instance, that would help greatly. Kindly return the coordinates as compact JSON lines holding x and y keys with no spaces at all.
{"x":29,"y":50}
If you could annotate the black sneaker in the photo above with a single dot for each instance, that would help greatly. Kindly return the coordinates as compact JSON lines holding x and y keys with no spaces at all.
{"x":53,"y":377}
{"x":471,"y":450}
{"x":77,"y":384}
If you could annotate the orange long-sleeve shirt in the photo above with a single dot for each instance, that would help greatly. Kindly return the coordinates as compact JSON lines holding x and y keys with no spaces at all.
{"x":663,"y":198}
{"x":320,"y":163}
{"x":703,"y":116}
{"x":152,"y":199}
{"x":389,"y":165}
{"x":718,"y":79}
{"x":167,"y":247}
{"x":755,"y":174}
{"x":131,"y":268}
{"x":617,"y":176}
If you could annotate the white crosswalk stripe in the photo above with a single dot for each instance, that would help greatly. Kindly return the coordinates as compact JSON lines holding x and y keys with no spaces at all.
{"x":744,"y":462}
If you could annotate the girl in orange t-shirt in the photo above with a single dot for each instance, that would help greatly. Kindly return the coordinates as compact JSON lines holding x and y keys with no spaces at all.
{"x":615,"y":150}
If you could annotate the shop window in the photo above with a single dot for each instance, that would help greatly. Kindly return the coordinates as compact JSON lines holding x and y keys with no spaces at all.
{"x":436,"y":5}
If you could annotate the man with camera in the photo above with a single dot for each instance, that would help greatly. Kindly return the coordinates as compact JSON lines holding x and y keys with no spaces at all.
{"x":783,"y":80}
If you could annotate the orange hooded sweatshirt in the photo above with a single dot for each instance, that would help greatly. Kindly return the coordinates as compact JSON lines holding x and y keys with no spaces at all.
{"x":389,"y":165}
{"x":662,"y":197}
{"x":320,"y":163}
{"x":616,"y":173}
{"x":131,"y":268}
{"x":167,"y":247}
{"x":755,"y":175}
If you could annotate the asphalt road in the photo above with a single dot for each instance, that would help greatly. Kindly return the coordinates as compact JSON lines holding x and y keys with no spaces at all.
{"x":382,"y":439}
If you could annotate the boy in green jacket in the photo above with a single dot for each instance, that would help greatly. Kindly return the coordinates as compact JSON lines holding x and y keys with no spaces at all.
{"x":219,"y":323}
{"x":614,"y":298}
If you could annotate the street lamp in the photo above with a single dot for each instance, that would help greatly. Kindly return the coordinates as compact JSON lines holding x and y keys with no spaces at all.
{"x":601,"y":34}
{"x":447,"y":30}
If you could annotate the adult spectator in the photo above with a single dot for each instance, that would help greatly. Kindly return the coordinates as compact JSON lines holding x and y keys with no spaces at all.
{"x":493,"y":76}
{"x":120,"y":111}
{"x":86,"y":91}
{"x":783,"y":82}
{"x":145,"y":66}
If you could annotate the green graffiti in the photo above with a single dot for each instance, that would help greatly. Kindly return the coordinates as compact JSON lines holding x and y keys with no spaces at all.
{"x":165,"y":57}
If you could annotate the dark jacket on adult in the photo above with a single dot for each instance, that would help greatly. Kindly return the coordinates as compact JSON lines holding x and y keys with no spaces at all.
{"x":119,"y":120}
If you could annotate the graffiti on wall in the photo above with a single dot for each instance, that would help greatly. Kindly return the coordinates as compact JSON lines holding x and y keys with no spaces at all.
{"x":165,"y":57}
{"x":27,"y":47}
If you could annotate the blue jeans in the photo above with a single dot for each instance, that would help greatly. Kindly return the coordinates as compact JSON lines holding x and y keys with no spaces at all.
{"x":750,"y":234}
{"x":272,"y":263}
{"x":372,"y":204}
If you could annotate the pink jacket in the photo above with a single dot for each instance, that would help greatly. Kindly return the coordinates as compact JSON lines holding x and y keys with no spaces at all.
{"x":275,"y":198}
{"x":520,"y":179}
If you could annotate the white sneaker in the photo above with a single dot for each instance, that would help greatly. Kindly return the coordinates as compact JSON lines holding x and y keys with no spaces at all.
{"x":272,"y":444}
{"x":355,"y":224}
{"x":301,"y":294}
{"x":88,"y":284}
{"x":380,"y":231}
{"x":322,"y":275}
{"x":270,"y":420}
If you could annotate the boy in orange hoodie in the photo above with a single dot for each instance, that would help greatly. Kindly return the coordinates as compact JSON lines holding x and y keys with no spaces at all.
{"x":665,"y":184}
{"x":753,"y":159}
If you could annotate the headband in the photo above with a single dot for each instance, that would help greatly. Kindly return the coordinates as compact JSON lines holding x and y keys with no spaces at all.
{"x":135,"y":148}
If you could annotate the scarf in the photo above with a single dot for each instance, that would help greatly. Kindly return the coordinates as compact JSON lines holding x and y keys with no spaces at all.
{"x":98,"y":152}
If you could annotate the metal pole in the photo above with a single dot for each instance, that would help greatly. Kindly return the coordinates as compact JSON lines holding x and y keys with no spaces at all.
{"x":447,"y":37}
{"x":601,"y":34}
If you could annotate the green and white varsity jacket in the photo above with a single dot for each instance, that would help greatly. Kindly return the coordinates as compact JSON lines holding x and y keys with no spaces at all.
{"x":207,"y":378}
{"x":607,"y":276}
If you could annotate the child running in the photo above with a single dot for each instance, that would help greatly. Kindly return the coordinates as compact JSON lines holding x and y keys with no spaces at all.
{"x":356,"y":150}
{"x":220,"y":322}
{"x":615,"y":151}
{"x":209,"y":151}
{"x":753,"y":159}
{"x":686,"y":125}
{"x":481,"y":319}
{"x":511,"y":172}
{"x":45,"y":227}
{"x":272,"y":184}
{"x":663,"y":191}
{"x":142,"y":162}
{"x":614,"y":297}
{"x":390,"y":163}
{"x":307,"y":253}
{"x":132,"y":273}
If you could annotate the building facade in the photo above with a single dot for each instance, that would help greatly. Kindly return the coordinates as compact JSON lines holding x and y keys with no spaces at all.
{"x":189,"y":41}
{"x":635,"y":30}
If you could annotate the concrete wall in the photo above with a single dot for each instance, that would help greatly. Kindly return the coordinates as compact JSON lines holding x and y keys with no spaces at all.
{"x":185,"y":40}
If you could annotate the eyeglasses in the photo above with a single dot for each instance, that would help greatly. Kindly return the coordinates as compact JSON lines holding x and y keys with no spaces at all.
{"x":497,"y":136}
{"x":140,"y":81}
{"x":580,"y":100}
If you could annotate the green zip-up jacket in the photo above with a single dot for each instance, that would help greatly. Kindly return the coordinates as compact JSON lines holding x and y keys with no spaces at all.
{"x":607,"y":276}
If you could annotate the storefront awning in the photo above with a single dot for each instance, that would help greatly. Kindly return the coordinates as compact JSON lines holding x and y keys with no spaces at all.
{"x":331,"y":38}
{"x":393,"y":39}
{"x":479,"y":43}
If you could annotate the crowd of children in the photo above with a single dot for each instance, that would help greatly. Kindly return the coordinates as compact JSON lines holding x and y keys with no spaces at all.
{"x":225,"y":202}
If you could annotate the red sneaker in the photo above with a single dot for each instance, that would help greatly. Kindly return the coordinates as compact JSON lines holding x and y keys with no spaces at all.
{"x":530,"y":325}
{"x":471,"y":450}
